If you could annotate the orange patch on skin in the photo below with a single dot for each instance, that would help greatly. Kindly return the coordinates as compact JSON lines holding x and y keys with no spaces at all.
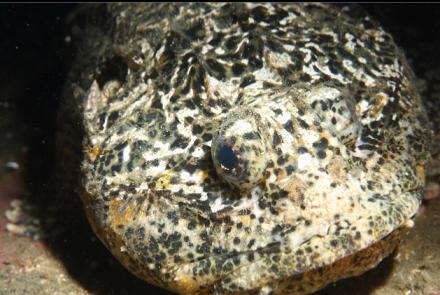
{"x":245,"y":219}
{"x":294,"y":187}
{"x":163,"y":182}
{"x":337,"y":167}
{"x":117,"y":216}
{"x":379,"y":101}
{"x":204,"y":174}
{"x":186,"y":283}
{"x":282,"y":175}
{"x":372,"y":33}
{"x":93,"y":152}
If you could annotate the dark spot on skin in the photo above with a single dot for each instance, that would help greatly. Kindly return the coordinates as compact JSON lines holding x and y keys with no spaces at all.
{"x":157,"y":104}
{"x":247,"y":81}
{"x":321,"y":144}
{"x":112,"y":118}
{"x":274,"y":268}
{"x":238,"y":69}
{"x":191,"y":225}
{"x":180,"y":142}
{"x":250,"y":136}
{"x":301,"y":150}
{"x":227,"y":219}
{"x":218,"y":70}
{"x":303,"y":124}
{"x":255,"y":63}
{"x":196,"y":31}
{"x":289,"y":126}
{"x":232,"y":43}
{"x":197,"y":129}
{"x":290,"y":169}
{"x":275,"y":46}
{"x":116,"y":168}
{"x":152,"y":133}
{"x":207,"y":137}
{"x":276,"y":229}
{"x":245,"y":211}
{"x":305,"y":77}
{"x":281,"y":160}
{"x":321,"y":154}
{"x":259,"y":13}
{"x":277,"y":139}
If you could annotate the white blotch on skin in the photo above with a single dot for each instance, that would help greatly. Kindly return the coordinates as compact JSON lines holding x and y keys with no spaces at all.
{"x":184,"y":175}
{"x":155,"y":170}
{"x":198,"y":152}
{"x":217,"y":205}
{"x":256,"y":193}
{"x":304,"y":161}
{"x":242,"y":127}
{"x":126,"y":153}
{"x":311,"y":71}
{"x":284,"y":117}
{"x":348,"y":64}
{"x":204,"y":196}
{"x":362,"y":60}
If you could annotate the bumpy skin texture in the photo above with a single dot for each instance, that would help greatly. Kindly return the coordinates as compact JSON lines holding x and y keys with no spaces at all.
{"x":242,"y":148}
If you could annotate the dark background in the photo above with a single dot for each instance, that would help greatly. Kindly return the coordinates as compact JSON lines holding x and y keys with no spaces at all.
{"x":34,"y":62}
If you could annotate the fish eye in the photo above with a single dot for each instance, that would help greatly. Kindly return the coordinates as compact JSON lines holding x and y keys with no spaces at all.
{"x":226,"y":157}
{"x":239,"y":150}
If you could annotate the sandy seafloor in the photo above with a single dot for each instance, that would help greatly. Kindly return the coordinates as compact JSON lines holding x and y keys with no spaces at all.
{"x":35,"y":51}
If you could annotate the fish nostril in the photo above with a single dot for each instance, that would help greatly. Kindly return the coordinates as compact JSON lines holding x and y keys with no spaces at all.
{"x":114,"y":69}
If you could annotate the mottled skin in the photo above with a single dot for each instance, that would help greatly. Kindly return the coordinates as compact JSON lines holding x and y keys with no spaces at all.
{"x":238,"y":148}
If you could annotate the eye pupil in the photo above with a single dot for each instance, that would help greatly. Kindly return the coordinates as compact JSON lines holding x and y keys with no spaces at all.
{"x":227,"y":158}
